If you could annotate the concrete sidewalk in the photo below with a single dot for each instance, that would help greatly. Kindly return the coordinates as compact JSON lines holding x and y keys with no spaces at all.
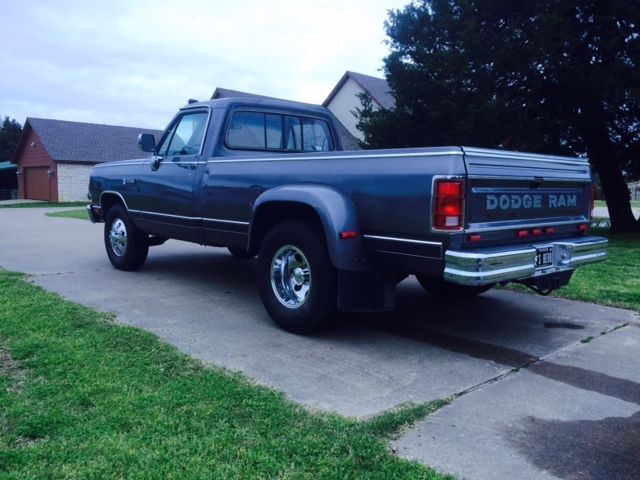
{"x":573,"y":415}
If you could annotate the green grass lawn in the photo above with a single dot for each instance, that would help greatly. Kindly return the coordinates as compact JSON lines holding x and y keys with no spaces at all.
{"x":45,"y":204}
{"x":82,"y":397}
{"x":614,"y":282}
{"x":602,"y":203}
{"x":81,"y":213}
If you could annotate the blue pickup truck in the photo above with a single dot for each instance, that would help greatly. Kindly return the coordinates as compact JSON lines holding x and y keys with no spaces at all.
{"x":336,"y":230}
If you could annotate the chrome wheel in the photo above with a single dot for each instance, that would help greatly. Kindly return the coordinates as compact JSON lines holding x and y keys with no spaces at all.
{"x":290,"y":276}
{"x":118,"y":237}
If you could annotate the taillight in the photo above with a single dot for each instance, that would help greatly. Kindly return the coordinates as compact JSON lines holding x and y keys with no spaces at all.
{"x":593,"y":200}
{"x":348,"y":234}
{"x":448,"y":205}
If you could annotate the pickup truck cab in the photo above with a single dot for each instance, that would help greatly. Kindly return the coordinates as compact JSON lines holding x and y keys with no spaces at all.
{"x":336,"y":230}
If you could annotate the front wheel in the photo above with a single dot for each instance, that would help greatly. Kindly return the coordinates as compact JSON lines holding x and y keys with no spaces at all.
{"x":444,"y":290}
{"x":127,"y":246}
{"x":296,"y":278}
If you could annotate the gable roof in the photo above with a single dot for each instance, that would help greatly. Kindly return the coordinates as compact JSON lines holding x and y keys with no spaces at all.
{"x":220,"y":92}
{"x":377,"y":88}
{"x":84,"y":142}
{"x":348,"y":141}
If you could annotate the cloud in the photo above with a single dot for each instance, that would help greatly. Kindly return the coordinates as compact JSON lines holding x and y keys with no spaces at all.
{"x":135,"y":63}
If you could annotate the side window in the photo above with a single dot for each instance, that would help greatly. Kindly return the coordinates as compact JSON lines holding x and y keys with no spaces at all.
{"x":316,"y":136}
{"x":273,"y":126}
{"x":246,"y":130}
{"x":292,"y":133}
{"x":186,"y":136}
{"x":255,"y":130}
{"x":274,"y":131}
{"x":164,"y":143}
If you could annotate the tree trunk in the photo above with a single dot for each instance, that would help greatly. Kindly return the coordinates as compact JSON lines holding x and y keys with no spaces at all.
{"x":600,"y":151}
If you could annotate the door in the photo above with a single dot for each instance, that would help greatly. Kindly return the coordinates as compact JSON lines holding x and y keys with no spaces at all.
{"x":36,"y":183}
{"x":166,"y":184}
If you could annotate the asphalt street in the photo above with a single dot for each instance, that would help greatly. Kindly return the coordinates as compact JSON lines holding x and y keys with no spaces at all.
{"x":530,"y":400}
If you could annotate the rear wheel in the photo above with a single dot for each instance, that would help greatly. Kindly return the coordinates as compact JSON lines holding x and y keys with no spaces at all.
{"x":442,"y":289}
{"x":296,"y":278}
{"x":127,"y":246}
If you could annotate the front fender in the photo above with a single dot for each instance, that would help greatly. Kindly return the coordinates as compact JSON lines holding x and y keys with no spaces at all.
{"x":336,"y":212}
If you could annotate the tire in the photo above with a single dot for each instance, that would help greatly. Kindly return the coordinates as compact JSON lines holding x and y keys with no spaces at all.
{"x":127,"y":246}
{"x":240,"y":253}
{"x":296,"y":279}
{"x":443,"y":290}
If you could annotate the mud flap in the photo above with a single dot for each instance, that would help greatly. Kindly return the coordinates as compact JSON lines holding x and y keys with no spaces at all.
{"x":368,"y":291}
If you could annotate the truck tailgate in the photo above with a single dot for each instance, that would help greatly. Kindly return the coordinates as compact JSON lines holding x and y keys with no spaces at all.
{"x":512,"y":192}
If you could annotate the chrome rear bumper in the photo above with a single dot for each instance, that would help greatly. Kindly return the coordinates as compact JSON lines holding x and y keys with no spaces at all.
{"x":515,"y":262}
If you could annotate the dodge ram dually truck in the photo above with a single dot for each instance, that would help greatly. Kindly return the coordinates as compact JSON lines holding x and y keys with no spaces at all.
{"x":336,"y":230}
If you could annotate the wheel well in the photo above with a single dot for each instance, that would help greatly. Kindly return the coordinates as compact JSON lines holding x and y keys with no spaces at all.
{"x":108,"y":200}
{"x":272,"y":213}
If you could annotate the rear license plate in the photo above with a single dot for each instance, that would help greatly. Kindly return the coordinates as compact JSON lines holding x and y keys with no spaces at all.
{"x":544,"y":257}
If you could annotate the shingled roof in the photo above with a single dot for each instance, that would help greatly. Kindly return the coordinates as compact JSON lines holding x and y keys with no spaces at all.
{"x":85,"y":142}
{"x":349,"y":142}
{"x":377,"y":88}
{"x":220,"y":92}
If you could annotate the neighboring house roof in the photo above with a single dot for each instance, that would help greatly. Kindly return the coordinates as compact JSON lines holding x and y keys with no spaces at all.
{"x":349,"y":142}
{"x":377,"y":88}
{"x":84,"y":142}
{"x":220,"y":92}
{"x":7,"y":166}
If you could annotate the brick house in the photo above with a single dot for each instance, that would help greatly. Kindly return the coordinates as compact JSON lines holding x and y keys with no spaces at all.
{"x":54,"y":157}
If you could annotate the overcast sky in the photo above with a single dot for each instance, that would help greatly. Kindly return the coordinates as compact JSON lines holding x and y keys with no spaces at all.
{"x":135,"y":62}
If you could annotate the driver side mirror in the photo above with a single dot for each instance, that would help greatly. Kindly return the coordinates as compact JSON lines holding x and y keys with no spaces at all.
{"x":146,"y":142}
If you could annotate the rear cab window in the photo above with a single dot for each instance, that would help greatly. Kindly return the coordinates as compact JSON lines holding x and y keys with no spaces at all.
{"x":254,"y":130}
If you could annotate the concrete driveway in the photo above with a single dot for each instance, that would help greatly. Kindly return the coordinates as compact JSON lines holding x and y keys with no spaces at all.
{"x":530,"y":400}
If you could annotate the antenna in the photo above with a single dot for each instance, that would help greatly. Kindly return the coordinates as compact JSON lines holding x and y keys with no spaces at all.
{"x":192,"y":100}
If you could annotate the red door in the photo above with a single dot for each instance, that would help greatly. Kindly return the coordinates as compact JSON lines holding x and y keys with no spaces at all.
{"x":36,"y":183}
